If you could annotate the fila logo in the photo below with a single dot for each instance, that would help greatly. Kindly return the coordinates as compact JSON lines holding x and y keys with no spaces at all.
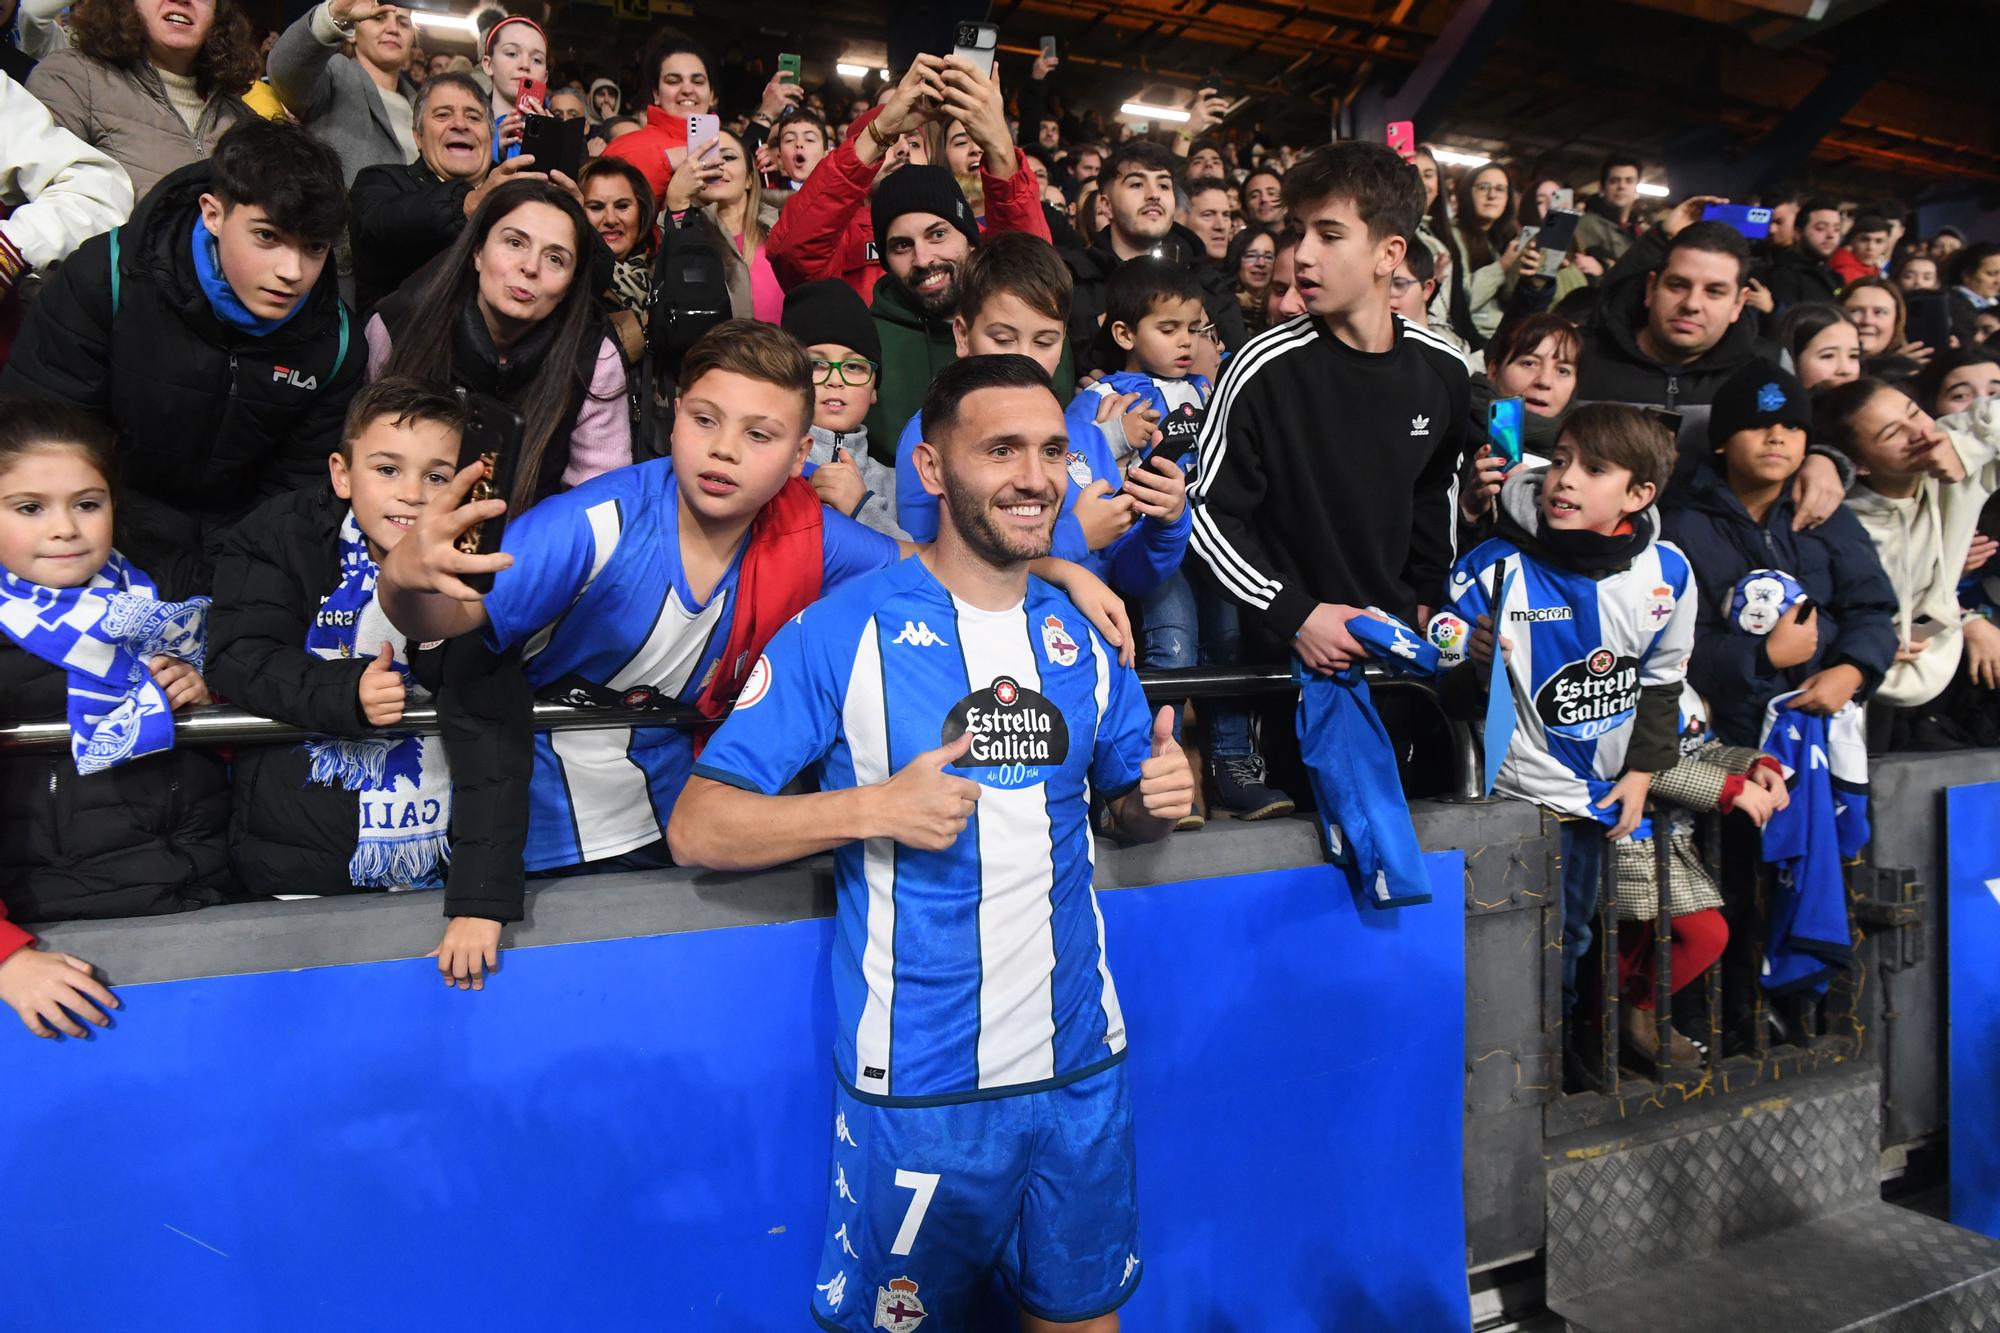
{"x":1420,"y":425}
{"x":919,"y":636}
{"x":293,"y":378}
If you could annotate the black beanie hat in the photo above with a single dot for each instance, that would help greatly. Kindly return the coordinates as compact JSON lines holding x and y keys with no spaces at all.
{"x":917,"y":188}
{"x":1761,"y":393}
{"x":830,"y":311}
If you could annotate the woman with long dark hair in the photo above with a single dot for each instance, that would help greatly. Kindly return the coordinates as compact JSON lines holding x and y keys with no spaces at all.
{"x":1253,"y":253}
{"x":620,"y":204}
{"x":1447,"y":308}
{"x":512,"y":310}
{"x":151,"y":85}
{"x":1487,"y":237}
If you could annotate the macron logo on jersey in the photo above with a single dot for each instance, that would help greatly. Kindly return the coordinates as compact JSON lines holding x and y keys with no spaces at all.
{"x":1420,"y":425}
{"x":919,"y":635}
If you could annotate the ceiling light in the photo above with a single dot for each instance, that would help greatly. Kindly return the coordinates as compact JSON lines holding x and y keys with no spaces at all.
{"x":425,"y":18}
{"x":1653,"y":191}
{"x":1142,"y":111}
{"x":848,"y":71}
{"x":1447,"y":157}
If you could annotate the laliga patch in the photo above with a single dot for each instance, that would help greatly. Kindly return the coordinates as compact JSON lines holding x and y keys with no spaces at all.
{"x":1017,"y":733}
{"x":1057,"y":643}
{"x":897,"y":1307}
{"x":758,"y":685}
{"x":1448,"y":634}
{"x":1586,"y":699}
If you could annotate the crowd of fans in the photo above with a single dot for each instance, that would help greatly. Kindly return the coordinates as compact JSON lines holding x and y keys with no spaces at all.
{"x":244,"y":294}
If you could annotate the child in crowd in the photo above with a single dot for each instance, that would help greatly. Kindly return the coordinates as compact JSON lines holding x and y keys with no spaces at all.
{"x":49,"y":992}
{"x":300,"y":637}
{"x":1920,"y":485}
{"x":1595,"y":624}
{"x":1736,"y":516}
{"x":839,"y":335}
{"x":516,"y":50}
{"x":657,"y":584}
{"x":124,"y":824}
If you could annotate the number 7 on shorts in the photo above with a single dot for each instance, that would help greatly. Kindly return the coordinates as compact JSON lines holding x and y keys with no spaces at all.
{"x":925,"y":1184}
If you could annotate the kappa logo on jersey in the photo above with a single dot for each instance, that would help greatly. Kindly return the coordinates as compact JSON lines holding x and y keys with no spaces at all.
{"x":1016,"y":732}
{"x":1078,"y":467}
{"x":897,"y":1307}
{"x":292,"y":377}
{"x":1586,"y":699}
{"x":1420,"y":425}
{"x":1057,"y":643}
{"x":758,"y":685}
{"x":919,"y":635}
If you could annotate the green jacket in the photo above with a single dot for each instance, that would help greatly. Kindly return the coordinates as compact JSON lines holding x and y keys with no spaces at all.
{"x":915,"y":349}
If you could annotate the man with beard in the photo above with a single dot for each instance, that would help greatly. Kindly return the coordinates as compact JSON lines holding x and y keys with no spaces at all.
{"x":361,"y":107}
{"x":1139,"y":178}
{"x":982,"y":1117}
{"x":1802,"y":272}
{"x":405,"y":216}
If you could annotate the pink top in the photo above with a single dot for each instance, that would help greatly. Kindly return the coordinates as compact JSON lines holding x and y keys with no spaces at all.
{"x":767,"y":296}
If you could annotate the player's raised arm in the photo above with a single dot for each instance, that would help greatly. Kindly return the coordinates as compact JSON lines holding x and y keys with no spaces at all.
{"x":724,"y":827}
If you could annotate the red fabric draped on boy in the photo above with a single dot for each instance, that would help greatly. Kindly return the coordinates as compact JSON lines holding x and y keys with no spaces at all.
{"x":782,"y":567}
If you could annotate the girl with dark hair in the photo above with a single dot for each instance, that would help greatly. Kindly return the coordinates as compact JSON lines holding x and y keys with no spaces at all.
{"x":512,"y":311}
{"x":677,"y":75}
{"x":151,"y":84}
{"x":1535,"y":203}
{"x":1488,"y":241}
{"x":1252,"y":255}
{"x":516,"y":50}
{"x":1822,"y":342}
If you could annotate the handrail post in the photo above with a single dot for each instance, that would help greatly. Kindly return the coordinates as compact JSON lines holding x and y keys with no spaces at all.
{"x":1663,"y":941}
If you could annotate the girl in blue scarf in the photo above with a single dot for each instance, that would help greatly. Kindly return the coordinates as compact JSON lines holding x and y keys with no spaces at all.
{"x":122,"y":824}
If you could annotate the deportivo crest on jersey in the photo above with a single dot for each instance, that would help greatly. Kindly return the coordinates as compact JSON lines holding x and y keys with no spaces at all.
{"x":1016,"y":732}
{"x":1057,"y":643}
{"x":1587,"y":698}
{"x":1659,"y":605}
{"x":1078,"y":467}
{"x":897,"y":1307}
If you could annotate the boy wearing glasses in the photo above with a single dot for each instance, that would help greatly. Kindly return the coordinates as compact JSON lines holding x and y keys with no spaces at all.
{"x":839,"y":335}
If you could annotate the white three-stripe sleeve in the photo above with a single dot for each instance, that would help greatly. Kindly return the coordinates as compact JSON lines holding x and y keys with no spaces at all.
{"x":1114,"y":1013}
{"x":864,"y":719}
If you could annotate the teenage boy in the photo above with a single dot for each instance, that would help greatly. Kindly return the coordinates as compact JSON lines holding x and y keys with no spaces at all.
{"x":1919,"y":489}
{"x":1734,"y":515}
{"x":1866,"y":253}
{"x":209,"y":330}
{"x":1329,"y":463}
{"x":656,"y":583}
{"x":1597,"y":620}
{"x":297,"y":634}
{"x":833,"y":325}
{"x":981,"y":1068}
{"x":1801,"y":273}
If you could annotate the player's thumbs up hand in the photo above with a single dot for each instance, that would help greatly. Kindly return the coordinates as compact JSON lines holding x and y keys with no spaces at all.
{"x":925,"y":807}
{"x":382,"y":690}
{"x":1166,"y":783}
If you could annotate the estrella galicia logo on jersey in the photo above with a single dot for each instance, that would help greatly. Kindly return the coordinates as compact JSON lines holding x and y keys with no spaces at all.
{"x":758,"y":685}
{"x":1016,"y":733}
{"x":1585,"y":699}
{"x":1057,"y":643}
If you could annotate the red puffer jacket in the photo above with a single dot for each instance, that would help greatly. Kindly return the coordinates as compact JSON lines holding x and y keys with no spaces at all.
{"x":12,"y":938}
{"x":825,"y":230}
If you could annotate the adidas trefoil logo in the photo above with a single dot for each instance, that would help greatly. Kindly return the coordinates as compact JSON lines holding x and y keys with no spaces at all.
{"x":919,"y":635}
{"x":1420,"y":425}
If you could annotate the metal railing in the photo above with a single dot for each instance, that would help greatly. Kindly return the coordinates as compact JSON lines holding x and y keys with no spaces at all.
{"x":225,"y":724}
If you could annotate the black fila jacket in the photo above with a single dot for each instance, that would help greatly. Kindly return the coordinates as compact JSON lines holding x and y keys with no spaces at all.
{"x":1331,"y":475}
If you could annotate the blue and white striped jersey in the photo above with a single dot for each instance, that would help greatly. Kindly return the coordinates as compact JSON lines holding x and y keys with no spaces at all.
{"x":598,"y":595}
{"x":978,"y":971}
{"x":1583,"y":648}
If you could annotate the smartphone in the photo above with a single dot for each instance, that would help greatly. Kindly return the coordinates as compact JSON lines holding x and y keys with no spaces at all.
{"x":555,"y":144}
{"x":534,"y":94}
{"x":493,"y":437}
{"x":1928,"y":320}
{"x":976,"y":43}
{"x":1049,"y":48}
{"x":788,"y":66}
{"x":1179,"y":431}
{"x":1923,"y":629}
{"x":1754,"y":223}
{"x":1528,"y":235}
{"x":1562,"y":197}
{"x":702,"y":131}
{"x":1557,"y":231}
{"x":1402,"y":137}
{"x":1503,"y":427}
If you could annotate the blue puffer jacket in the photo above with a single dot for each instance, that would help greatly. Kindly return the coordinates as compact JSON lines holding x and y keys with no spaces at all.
{"x":1835,"y":563}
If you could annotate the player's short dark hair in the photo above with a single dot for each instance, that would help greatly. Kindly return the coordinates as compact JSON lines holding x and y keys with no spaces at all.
{"x":756,"y":351}
{"x":401,"y":400}
{"x":1716,"y":238}
{"x":1614,"y":160}
{"x":967,"y":376}
{"x":1417,"y":257}
{"x":1016,"y":263}
{"x":1621,"y":435}
{"x":293,"y":177}
{"x":1137,"y":285}
{"x":1386,"y":194}
{"x":1141,"y":153}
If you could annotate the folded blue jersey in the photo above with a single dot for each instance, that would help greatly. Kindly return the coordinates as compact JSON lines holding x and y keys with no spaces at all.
{"x":1393,"y":643}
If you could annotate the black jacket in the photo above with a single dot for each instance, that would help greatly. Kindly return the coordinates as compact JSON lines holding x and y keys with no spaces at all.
{"x":1090,"y":343}
{"x":1614,"y":369}
{"x":403,"y":216}
{"x":209,"y":419}
{"x":273,"y":571}
{"x":1795,"y":276}
{"x":1835,"y":563}
{"x":144,"y":838}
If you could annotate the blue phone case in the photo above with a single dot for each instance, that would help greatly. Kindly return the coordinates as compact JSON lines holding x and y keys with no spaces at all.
{"x":1503,"y":427}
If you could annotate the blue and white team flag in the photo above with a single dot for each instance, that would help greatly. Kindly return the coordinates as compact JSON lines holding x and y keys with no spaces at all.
{"x":1499,"y":731}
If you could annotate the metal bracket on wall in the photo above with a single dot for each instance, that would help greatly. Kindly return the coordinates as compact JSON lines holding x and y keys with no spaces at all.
{"x":1889,"y":902}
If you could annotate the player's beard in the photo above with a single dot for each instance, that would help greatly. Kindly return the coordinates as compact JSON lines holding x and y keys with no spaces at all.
{"x":972,"y":519}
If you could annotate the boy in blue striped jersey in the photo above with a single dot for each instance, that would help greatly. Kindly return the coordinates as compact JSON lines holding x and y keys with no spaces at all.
{"x":961,"y":718}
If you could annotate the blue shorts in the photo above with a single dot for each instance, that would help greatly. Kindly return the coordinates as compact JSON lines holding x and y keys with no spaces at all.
{"x":927,"y":1202}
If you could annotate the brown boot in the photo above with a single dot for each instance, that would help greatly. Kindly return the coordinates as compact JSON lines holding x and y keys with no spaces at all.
{"x":1198,"y":817}
{"x":1639,"y":1029}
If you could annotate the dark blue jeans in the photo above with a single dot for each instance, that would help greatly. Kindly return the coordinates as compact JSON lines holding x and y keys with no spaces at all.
{"x":1583,"y":871}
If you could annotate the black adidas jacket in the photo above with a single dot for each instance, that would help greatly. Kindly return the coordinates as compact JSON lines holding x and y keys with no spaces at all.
{"x":1331,"y":475}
